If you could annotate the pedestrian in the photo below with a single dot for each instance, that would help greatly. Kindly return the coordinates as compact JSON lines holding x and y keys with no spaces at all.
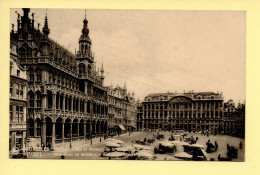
{"x":100,"y":139}
{"x":216,"y":145}
{"x":240,"y":145}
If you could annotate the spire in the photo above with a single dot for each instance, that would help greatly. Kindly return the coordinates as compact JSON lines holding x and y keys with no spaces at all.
{"x":85,"y":29}
{"x":102,"y":70}
{"x":46,"y":29}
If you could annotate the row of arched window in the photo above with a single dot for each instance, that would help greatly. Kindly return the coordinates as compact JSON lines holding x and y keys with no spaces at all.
{"x":66,"y":103}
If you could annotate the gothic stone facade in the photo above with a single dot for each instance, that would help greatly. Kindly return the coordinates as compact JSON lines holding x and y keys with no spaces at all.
{"x":67,"y":99}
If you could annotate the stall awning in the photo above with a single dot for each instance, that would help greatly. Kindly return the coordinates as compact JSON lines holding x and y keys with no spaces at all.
{"x":122,"y":127}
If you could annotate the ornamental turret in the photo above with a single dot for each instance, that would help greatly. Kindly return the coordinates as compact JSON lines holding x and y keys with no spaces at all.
{"x":45,"y":44}
{"x":85,"y":43}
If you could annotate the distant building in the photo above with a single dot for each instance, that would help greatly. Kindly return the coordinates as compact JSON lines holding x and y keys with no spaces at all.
{"x":121,"y":110}
{"x":191,"y":111}
{"x":234,"y":119}
{"x":18,"y":100}
{"x":139,"y":115}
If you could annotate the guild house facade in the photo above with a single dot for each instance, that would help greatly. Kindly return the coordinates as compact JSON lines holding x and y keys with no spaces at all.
{"x":234,"y":119}
{"x":18,"y":101}
{"x":191,"y":111}
{"x":66,"y":96}
{"x":121,"y":110}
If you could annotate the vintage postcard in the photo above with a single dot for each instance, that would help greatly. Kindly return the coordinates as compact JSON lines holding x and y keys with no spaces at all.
{"x":127,"y":84}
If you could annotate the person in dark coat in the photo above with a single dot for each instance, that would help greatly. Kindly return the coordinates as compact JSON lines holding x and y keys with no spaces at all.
{"x":240,"y":145}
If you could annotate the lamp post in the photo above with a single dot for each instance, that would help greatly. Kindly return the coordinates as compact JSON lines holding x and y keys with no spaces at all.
{"x":91,"y":131}
{"x":70,"y":135}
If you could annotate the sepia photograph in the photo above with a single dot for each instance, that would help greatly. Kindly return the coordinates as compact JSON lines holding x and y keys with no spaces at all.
{"x":153,"y":85}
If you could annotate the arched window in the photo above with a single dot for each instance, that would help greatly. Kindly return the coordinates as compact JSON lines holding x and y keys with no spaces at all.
{"x":82,"y":48}
{"x":89,"y":69}
{"x":82,"y":69}
{"x":22,"y":52}
{"x":38,"y":99}
{"x":38,"y":75}
{"x":28,"y":52}
{"x":30,"y":75}
{"x":31,"y":99}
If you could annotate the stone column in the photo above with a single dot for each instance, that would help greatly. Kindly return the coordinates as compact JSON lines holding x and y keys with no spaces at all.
{"x":63,"y":103}
{"x":13,"y":140}
{"x":44,"y":132}
{"x":71,"y":130}
{"x":85,"y":130}
{"x":44,"y":101}
{"x":78,"y":130}
{"x":62,"y":131}
{"x":54,"y":102}
{"x":53,"y":135}
{"x":34,"y":128}
{"x":23,"y":141}
{"x":71,"y":105}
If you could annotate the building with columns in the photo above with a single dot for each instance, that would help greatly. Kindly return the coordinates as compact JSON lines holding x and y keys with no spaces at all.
{"x":67,"y":99}
{"x":18,"y":101}
{"x":121,"y":110}
{"x":191,"y":111}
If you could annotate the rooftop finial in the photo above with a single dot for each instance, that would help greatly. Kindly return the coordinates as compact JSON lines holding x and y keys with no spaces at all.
{"x":85,"y":14}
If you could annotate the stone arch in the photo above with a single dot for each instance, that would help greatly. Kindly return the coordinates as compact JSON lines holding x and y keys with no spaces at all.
{"x":38,"y":126}
{"x":81,"y":128}
{"x":88,"y":129}
{"x":58,"y":128}
{"x":75,"y":128}
{"x":102,"y":127}
{"x":82,"y":69}
{"x":98,"y":128}
{"x":67,"y":128}
{"x":93,"y":128}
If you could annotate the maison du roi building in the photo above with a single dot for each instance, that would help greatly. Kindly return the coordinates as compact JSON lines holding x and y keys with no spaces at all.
{"x":55,"y":96}
{"x":191,"y":111}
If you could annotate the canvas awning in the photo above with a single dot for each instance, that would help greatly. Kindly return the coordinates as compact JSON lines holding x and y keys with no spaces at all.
{"x":122,"y":127}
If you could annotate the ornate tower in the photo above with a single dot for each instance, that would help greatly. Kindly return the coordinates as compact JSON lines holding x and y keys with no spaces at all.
{"x":85,"y":52}
{"x":45,"y":43}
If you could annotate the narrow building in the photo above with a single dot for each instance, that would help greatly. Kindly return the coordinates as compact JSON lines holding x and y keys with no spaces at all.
{"x":18,"y":101}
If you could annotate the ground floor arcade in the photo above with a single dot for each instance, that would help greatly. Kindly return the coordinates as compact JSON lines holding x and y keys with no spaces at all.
{"x":53,"y":131}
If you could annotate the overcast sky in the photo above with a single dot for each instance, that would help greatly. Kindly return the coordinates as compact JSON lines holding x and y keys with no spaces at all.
{"x":159,"y":51}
